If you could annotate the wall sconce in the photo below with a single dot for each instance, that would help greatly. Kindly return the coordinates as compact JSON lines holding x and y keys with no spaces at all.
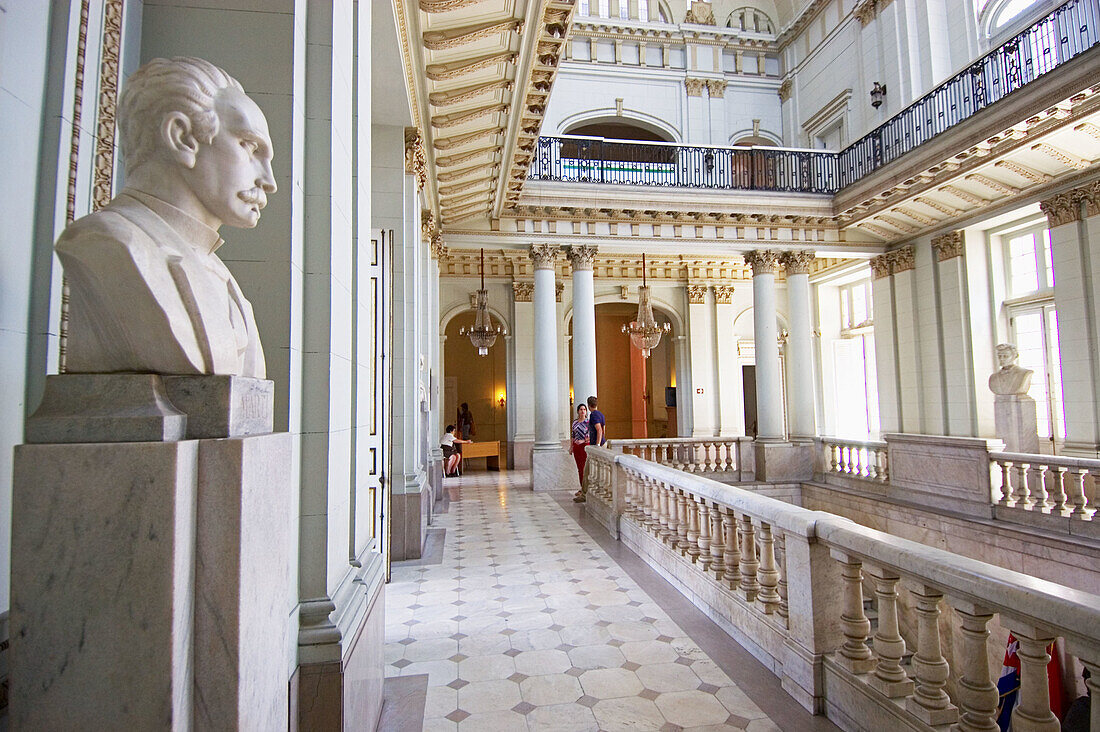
{"x":878,"y":94}
{"x":708,"y":161}
{"x":500,"y":400}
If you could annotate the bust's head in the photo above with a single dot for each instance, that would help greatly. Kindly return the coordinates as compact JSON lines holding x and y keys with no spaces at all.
{"x":190,"y":135}
{"x":1006,"y":355}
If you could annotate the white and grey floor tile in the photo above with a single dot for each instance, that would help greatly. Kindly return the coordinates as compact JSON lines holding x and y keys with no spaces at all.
{"x":528,"y":623}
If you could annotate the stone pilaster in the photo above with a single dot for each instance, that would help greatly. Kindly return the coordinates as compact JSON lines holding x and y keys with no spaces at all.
{"x":584,"y":322}
{"x":799,"y":344}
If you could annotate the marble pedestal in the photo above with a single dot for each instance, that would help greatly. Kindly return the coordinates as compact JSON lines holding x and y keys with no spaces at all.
{"x":778,"y":461}
{"x":1015,"y":419}
{"x":553,"y":469}
{"x":152,"y":576}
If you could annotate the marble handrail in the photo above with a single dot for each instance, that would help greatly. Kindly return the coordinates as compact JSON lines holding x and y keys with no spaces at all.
{"x":857,"y":458}
{"x":691,"y":454}
{"x":1045,"y":483}
{"x":741,"y":540}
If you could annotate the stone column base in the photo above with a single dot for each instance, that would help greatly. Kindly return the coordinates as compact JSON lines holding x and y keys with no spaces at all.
{"x":783,"y":461}
{"x":409,"y":514}
{"x":553,"y":470}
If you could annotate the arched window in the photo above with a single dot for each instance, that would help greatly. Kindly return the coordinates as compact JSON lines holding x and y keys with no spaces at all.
{"x":750,"y":20}
{"x":995,"y":15}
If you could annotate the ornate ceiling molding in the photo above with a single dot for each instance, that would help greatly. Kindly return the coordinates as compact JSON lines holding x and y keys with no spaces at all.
{"x":455,"y":69}
{"x":465,"y":94}
{"x":459,"y":118}
{"x":456,"y":37}
{"x":446,"y":143}
{"x":443,"y":6}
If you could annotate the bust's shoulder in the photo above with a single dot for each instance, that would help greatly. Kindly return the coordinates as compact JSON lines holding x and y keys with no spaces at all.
{"x":102,"y":230}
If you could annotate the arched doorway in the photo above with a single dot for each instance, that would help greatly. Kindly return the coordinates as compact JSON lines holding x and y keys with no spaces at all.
{"x":480,"y":381}
{"x":635,"y":392}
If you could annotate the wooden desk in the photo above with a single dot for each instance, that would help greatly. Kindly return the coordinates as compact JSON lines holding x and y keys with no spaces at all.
{"x":490,"y":450}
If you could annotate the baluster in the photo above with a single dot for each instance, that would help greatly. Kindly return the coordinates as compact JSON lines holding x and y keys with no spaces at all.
{"x":650,"y":506}
{"x":929,"y":701}
{"x":674,"y":518}
{"x":1006,"y":482}
{"x":749,"y":562}
{"x":889,"y":677}
{"x":1021,"y":491}
{"x":1037,"y":492}
{"x":717,"y":543}
{"x":768,"y":574}
{"x":854,"y":653}
{"x":732,"y":558}
{"x":1032,"y":713}
{"x":834,"y":459}
{"x":664,"y":512}
{"x":857,"y":461}
{"x":680,"y":452}
{"x":1076,"y":493}
{"x":977,"y":695}
{"x":693,"y":528}
{"x":704,"y":534}
{"x":1057,"y":490}
{"x":781,"y":559}
{"x":885,"y":466}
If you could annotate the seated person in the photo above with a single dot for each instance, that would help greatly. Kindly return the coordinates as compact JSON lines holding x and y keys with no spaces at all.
{"x":451,"y":456}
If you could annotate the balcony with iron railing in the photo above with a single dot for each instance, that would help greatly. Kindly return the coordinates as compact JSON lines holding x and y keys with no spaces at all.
{"x":1065,"y":34}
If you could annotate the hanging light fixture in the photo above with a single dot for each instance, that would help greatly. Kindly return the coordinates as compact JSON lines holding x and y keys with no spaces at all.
{"x":483,"y":334}
{"x":645,"y":332}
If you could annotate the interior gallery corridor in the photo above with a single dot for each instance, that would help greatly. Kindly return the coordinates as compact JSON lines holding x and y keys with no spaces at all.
{"x":524,"y":615}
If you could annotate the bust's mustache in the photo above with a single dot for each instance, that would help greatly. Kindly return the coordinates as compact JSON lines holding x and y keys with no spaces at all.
{"x":255,"y":196}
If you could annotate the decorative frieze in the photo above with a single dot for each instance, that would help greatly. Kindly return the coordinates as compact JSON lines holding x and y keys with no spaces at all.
{"x":544,"y":255}
{"x":697,"y":294}
{"x":581,"y":256}
{"x":695,"y":87}
{"x":948,"y":246}
{"x":523,"y":291}
{"x":798,"y":262}
{"x":723,"y":294}
{"x":762,"y":261}
{"x":103,"y":177}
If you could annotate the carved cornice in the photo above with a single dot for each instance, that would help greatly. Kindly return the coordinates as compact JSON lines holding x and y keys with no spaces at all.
{"x":441,"y":40}
{"x":717,"y":88}
{"x":523,"y":291}
{"x":697,"y":294}
{"x":762,"y":261}
{"x":416,"y":161}
{"x":1023,"y":171}
{"x":1063,"y":208}
{"x":544,"y":255}
{"x":785,"y":90}
{"x":581,"y":257}
{"x":948,"y":246}
{"x":446,"y":143}
{"x":723,"y":294}
{"x":695,"y":87}
{"x":798,"y":262}
{"x":458,"y":118}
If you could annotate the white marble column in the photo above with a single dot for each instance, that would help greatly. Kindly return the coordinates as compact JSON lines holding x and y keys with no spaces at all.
{"x":584,"y":322}
{"x":769,"y":387}
{"x":546,"y":357}
{"x":799,"y":344}
{"x":549,"y":462}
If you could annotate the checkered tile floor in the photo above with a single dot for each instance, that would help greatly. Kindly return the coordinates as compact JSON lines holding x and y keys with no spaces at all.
{"x":529,"y":625}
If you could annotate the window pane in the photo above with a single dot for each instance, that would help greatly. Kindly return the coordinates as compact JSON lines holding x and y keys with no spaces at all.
{"x":624,"y":9}
{"x":1022,"y":265}
{"x":1057,"y":407}
{"x":1048,"y":258}
{"x":584,"y":7}
{"x":643,"y":10}
{"x":1029,"y":341}
{"x":859,"y":305}
{"x":604,"y":11}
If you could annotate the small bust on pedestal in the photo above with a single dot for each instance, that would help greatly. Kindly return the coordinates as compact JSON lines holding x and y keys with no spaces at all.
{"x":1014,"y":411}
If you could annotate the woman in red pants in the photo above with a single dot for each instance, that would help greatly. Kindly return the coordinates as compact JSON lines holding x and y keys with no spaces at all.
{"x":579,"y":432}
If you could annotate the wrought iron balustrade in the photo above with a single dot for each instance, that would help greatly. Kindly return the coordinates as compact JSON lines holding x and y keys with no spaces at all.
{"x":1067,"y":32}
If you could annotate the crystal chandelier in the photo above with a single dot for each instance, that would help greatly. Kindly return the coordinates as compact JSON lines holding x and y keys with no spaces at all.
{"x":645,"y":332}
{"x":483,"y":334}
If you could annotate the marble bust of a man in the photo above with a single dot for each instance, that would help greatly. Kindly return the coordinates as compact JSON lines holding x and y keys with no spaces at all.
{"x":1010,"y":379}
{"x":147,"y":292}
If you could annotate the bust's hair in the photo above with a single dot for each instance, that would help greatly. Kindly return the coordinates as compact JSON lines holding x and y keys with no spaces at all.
{"x":179,"y":84}
{"x":1007,"y":348}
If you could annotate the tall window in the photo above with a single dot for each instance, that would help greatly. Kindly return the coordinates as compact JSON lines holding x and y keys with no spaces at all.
{"x":583,"y":9}
{"x":605,"y":10}
{"x":1033,"y":322}
{"x":856,"y":392}
{"x":643,"y":10}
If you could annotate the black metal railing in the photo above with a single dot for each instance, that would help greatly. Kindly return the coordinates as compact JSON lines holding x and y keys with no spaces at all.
{"x":1067,"y":32}
{"x":596,"y":160}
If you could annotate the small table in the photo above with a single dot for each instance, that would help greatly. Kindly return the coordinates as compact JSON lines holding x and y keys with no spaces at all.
{"x":490,"y":450}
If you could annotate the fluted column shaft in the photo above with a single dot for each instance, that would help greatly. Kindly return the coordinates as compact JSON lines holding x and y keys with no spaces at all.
{"x":769,"y":388}
{"x":546,"y":352}
{"x":584,"y":322}
{"x":800,"y":344}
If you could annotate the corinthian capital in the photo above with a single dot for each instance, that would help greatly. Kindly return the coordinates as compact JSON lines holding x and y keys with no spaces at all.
{"x":581,"y":256}
{"x":1063,"y":208}
{"x":762,"y":261}
{"x":797,"y":262}
{"x":544,"y":255}
{"x":948,"y":246}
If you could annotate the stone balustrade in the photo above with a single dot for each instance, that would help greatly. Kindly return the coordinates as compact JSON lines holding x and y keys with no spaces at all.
{"x":856,"y":458}
{"x":788,"y":584}
{"x":1046,"y":487}
{"x":694,"y":454}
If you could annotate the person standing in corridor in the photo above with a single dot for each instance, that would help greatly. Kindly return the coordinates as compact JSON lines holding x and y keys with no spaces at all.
{"x":597,"y":435}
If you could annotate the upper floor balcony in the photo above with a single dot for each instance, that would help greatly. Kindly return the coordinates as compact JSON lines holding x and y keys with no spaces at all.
{"x":1065,"y":34}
